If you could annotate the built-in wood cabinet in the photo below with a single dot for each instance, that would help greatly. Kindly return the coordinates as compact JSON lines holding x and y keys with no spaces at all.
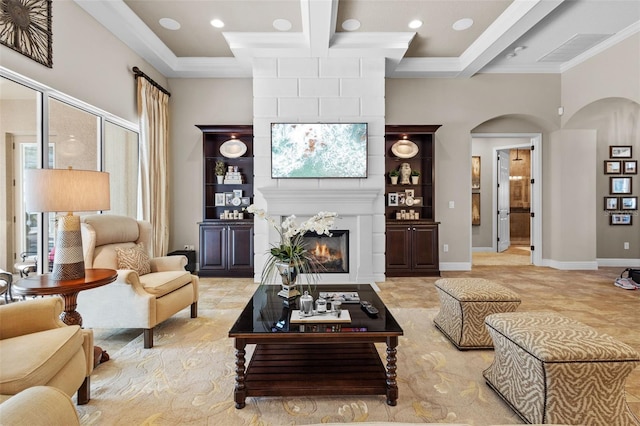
{"x":411,"y":228}
{"x":226,"y":231}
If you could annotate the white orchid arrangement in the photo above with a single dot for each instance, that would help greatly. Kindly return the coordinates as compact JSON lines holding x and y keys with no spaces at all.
{"x":291,"y":248}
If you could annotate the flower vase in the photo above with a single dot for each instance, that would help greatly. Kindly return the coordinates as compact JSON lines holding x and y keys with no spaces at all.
{"x":289,"y":273}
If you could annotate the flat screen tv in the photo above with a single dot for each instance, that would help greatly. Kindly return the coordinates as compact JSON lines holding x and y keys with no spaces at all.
{"x":318,"y":150}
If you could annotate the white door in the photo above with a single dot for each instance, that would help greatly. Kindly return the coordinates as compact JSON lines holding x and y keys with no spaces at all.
{"x":504,"y":236}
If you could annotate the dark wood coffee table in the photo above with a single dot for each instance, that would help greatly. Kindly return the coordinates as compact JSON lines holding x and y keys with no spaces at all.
{"x":320,"y":359}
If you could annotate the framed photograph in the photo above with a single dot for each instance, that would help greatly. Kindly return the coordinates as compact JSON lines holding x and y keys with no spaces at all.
{"x":611,"y":203}
{"x":475,"y":209}
{"x":619,"y":185}
{"x":620,"y":219}
{"x":237,"y":193}
{"x":475,"y":172}
{"x":392,"y":199}
{"x":620,"y":151}
{"x":410,"y":192}
{"x":219,"y":199}
{"x":246,"y":201}
{"x":629,"y":203}
{"x":630,"y":167}
{"x":228,"y":197}
{"x":612,"y":167}
{"x":402,"y":197}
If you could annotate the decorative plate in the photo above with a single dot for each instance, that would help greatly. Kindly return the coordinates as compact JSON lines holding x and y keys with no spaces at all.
{"x":404,"y":149}
{"x":233,"y":148}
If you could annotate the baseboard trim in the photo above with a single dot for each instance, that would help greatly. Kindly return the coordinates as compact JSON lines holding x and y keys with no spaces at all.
{"x":620,"y":263}
{"x":455,"y":266}
{"x":570,"y":266}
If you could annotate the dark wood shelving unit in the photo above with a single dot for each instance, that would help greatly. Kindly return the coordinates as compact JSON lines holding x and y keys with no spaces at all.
{"x":412,"y":242}
{"x":226,"y":244}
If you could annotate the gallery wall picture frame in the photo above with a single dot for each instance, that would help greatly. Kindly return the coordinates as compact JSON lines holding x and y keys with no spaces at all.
{"x":620,"y":185}
{"x":620,"y":151}
{"x":475,"y":209}
{"x":612,"y":167}
{"x":628,"y":203}
{"x":611,"y":203}
{"x":620,"y":219}
{"x":475,"y":172}
{"x":630,"y":167}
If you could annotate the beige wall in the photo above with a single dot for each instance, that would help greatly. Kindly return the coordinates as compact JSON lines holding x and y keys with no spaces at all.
{"x":198,"y":101}
{"x":461,"y":106}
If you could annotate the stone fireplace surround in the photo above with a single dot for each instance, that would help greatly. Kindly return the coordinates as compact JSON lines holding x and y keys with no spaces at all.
{"x":355,"y":208}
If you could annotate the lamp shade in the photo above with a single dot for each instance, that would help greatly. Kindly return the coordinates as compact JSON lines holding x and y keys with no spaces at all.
{"x":66,"y":190}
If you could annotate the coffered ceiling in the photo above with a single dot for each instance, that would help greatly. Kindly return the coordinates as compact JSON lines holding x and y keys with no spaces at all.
{"x":509,"y":36}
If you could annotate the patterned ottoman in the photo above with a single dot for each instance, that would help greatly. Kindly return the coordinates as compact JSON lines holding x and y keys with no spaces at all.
{"x":464,"y":303}
{"x":552,"y":369}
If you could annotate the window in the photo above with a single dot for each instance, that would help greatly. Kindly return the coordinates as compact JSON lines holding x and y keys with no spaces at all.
{"x":77,"y":135}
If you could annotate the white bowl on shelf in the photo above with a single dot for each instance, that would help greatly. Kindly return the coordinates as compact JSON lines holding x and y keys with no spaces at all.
{"x":233,"y":148}
{"x":404,"y":148}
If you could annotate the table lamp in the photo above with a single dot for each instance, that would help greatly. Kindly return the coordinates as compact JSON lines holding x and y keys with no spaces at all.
{"x":67,"y":190}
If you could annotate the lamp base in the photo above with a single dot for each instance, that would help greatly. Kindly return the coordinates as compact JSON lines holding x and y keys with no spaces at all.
{"x":68,"y":261}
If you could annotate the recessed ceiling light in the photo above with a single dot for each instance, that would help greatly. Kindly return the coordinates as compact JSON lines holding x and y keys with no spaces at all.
{"x":462,"y":24}
{"x":351,"y":25}
{"x":519,"y":48}
{"x":511,"y":55}
{"x":170,"y":24}
{"x":282,"y":25}
{"x":217,"y":23}
{"x":415,"y":24}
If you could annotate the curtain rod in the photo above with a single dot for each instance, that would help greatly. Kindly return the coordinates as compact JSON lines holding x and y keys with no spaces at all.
{"x":139,"y":73}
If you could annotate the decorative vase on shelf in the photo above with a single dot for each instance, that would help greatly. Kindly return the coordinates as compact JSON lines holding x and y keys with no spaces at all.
{"x":414,"y":179}
{"x":220,"y":179}
{"x":394,"y":180}
{"x":289,"y":273}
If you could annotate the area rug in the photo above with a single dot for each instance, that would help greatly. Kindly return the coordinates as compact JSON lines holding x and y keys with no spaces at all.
{"x":188,"y":379}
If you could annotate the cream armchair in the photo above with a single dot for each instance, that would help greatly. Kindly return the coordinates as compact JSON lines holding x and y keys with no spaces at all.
{"x":137,"y":299}
{"x":38,"y":349}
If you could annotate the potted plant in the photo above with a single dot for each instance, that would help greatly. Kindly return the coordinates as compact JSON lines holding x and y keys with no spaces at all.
{"x":415,"y":175}
{"x":289,"y":257}
{"x":393,"y":174}
{"x":219,"y":171}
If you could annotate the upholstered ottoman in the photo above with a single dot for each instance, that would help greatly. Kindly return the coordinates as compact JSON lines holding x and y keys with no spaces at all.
{"x":552,"y":369}
{"x":464,"y":303}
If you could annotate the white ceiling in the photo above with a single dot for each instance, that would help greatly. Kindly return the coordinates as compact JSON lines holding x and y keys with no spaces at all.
{"x":435,"y":50}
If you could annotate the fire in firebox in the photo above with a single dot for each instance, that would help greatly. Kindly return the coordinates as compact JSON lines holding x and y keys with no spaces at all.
{"x":330,"y":251}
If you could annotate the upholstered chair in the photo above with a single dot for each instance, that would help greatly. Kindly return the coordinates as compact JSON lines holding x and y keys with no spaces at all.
{"x":38,"y":349}
{"x":147,"y":290}
{"x":39,"y":406}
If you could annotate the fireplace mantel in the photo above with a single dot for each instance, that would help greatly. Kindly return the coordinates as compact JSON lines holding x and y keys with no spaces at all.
{"x":344,"y":201}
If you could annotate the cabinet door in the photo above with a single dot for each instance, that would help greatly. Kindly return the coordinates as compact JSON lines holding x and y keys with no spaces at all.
{"x":425,"y":247}
{"x":241,"y":248}
{"x":213,"y":247}
{"x":398,"y":248}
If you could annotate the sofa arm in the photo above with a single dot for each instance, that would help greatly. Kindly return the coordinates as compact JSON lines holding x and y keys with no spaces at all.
{"x":168,"y":263}
{"x":30,"y":316}
{"x":87,"y":347}
{"x":39,"y":406}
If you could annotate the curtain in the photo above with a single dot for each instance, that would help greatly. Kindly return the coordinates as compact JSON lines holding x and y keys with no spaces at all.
{"x":153,"y":195}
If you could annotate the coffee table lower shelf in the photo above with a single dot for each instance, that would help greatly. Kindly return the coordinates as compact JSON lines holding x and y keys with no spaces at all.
{"x":314,"y":369}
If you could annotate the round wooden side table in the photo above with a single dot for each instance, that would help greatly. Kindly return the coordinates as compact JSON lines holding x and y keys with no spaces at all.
{"x":45,"y":285}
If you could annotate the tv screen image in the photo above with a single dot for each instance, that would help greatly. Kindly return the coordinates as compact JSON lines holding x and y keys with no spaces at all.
{"x":318,"y":150}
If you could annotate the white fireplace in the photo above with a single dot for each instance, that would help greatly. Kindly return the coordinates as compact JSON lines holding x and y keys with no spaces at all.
{"x":355,"y":210}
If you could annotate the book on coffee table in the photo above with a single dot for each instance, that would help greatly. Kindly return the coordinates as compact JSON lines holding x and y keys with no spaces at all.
{"x":342,"y":296}
{"x":326,"y":318}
